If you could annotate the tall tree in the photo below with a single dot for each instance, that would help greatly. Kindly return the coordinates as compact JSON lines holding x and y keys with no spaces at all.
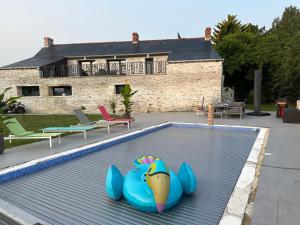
{"x":239,"y":63}
{"x":246,"y":47}
{"x":227,"y":26}
{"x":286,"y":53}
{"x":235,"y":43}
{"x":289,"y":23}
{"x":286,"y":76}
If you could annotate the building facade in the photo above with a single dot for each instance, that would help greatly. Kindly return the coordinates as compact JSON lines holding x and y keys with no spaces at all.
{"x":170,"y":75}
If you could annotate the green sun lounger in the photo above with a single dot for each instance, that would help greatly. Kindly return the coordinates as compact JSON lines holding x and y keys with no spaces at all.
{"x":18,"y":132}
{"x":71,"y":129}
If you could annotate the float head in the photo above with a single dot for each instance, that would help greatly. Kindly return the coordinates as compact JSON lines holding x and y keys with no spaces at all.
{"x":158,"y":179}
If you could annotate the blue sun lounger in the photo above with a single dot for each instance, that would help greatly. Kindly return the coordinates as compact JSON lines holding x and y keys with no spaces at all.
{"x":71,"y":129}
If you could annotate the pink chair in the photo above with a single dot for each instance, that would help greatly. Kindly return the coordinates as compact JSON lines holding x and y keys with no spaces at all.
{"x":110,"y":119}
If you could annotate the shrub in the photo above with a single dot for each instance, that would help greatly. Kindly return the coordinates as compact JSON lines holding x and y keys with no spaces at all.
{"x":126,"y":94}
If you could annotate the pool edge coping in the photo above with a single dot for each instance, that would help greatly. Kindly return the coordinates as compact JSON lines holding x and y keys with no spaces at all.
{"x":78,"y":149}
{"x":18,"y":215}
{"x":230,"y":212}
{"x":236,"y":208}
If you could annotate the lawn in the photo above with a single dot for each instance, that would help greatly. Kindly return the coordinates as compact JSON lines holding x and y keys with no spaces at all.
{"x":264,"y":107}
{"x":36,"y":122}
{"x":268,"y":107}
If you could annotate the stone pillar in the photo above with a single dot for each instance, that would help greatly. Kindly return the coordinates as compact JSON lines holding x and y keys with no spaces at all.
{"x":210,"y":114}
{"x":298,"y":104}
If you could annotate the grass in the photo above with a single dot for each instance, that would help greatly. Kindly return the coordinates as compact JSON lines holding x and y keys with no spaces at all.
{"x":37,"y":122}
{"x":264,"y":107}
{"x":268,"y":107}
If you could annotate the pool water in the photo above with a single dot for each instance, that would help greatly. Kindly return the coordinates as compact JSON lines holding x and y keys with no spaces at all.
{"x":74,"y":192}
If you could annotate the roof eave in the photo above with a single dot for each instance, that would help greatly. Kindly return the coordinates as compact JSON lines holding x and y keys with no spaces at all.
{"x":19,"y":68}
{"x":122,"y":55}
{"x":195,"y":60}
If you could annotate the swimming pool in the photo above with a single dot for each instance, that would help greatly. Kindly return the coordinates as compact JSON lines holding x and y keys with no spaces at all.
{"x":73,"y":191}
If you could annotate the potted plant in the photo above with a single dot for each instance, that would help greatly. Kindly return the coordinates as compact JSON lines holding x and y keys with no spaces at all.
{"x":5,"y":103}
{"x":126,"y":94}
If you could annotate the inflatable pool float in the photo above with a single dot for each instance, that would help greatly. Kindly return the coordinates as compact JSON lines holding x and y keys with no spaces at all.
{"x":150,"y":186}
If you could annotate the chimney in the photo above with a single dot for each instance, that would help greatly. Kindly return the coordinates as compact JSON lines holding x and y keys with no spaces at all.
{"x":207,"y":33}
{"x":48,"y":42}
{"x":135,"y":37}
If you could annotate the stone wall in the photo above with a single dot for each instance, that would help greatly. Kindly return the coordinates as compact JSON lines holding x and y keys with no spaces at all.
{"x":181,"y":89}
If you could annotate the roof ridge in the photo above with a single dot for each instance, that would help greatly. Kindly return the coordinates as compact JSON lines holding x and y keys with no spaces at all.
{"x":107,"y":42}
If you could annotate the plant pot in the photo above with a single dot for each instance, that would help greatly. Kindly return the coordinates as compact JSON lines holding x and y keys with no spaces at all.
{"x":1,"y":144}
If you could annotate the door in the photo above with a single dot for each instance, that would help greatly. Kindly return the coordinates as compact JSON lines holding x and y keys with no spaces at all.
{"x":149,"y":66}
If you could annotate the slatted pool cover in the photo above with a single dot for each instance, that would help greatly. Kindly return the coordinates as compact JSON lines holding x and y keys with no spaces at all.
{"x":74,"y":192}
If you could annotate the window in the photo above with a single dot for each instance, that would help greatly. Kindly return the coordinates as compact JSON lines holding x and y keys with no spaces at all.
{"x":119,"y":87}
{"x":116,"y":67}
{"x":29,"y":91}
{"x":60,"y":91}
{"x":86,"y":67}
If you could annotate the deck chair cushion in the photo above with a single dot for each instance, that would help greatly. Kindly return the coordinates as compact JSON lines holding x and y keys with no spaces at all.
{"x":105,"y":114}
{"x":16,"y":128}
{"x":82,"y":117}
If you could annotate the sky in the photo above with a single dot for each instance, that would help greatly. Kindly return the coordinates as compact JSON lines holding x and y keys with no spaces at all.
{"x":24,"y":23}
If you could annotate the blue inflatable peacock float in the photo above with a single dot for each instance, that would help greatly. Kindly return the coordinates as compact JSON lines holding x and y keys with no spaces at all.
{"x":150,"y":186}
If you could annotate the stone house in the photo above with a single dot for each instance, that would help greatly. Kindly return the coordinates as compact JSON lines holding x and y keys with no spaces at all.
{"x":169,"y":74}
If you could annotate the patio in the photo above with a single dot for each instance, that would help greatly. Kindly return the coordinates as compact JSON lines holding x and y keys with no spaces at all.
{"x":277,"y":200}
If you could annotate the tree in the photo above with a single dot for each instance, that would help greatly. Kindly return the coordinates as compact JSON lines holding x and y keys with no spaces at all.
{"x":286,"y":53}
{"x":229,"y":26}
{"x":239,"y":63}
{"x":286,"y":77}
{"x":235,"y":42}
{"x":254,"y":29}
{"x":289,"y":23}
{"x":246,"y":47}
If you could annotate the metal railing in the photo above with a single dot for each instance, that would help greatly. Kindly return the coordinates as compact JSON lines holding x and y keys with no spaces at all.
{"x":104,"y":69}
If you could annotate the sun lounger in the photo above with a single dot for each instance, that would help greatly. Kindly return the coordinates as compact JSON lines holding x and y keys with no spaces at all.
{"x":82,"y":117}
{"x":236,"y":108}
{"x":108,"y":119}
{"x":85,"y":121}
{"x":19,"y":133}
{"x":71,"y":129}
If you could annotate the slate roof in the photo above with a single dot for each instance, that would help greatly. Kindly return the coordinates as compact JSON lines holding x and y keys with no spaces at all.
{"x":177,"y":49}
